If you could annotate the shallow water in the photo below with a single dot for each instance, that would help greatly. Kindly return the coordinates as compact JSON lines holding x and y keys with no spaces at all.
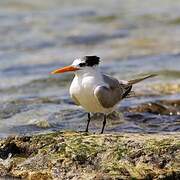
{"x":133,"y":38}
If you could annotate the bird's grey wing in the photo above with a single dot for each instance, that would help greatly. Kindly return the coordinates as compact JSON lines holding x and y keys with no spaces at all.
{"x":75,"y":99}
{"x":111,"y":95}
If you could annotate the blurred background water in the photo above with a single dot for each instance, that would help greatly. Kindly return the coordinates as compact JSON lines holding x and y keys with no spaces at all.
{"x":133,"y":38}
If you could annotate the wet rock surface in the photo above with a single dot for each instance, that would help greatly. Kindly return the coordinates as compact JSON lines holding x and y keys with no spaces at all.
{"x":163,"y":107}
{"x":72,"y":155}
{"x":157,"y":116}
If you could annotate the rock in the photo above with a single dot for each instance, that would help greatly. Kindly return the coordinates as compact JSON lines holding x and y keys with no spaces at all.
{"x":167,"y":88}
{"x":72,"y":155}
{"x":163,"y":107}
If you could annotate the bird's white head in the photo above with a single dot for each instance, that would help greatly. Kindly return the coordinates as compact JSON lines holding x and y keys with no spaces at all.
{"x":80,"y":65}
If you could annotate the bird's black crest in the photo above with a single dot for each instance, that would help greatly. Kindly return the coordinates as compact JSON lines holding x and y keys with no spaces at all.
{"x":91,"y":60}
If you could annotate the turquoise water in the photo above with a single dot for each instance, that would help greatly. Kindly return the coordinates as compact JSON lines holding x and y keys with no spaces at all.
{"x":132,"y":38}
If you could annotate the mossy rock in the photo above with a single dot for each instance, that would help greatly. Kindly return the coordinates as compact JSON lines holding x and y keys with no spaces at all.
{"x":67,"y":155}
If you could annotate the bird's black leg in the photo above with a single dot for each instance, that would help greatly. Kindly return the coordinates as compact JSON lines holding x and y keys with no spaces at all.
{"x":104,"y":123}
{"x":88,"y":121}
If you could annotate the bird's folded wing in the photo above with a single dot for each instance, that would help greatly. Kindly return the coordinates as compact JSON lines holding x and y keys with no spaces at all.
{"x":75,"y":99}
{"x":110,"y":95}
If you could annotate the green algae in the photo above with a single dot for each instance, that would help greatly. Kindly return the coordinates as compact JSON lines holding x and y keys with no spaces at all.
{"x":62,"y":155}
{"x":104,"y":19}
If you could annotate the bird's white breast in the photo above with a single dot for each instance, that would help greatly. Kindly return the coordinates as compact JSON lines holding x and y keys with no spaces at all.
{"x":82,"y":88}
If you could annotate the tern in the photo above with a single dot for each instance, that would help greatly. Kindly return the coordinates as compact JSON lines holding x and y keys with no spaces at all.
{"x":94,"y":91}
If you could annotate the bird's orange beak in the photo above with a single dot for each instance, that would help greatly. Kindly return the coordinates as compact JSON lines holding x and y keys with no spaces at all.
{"x":65,"y":69}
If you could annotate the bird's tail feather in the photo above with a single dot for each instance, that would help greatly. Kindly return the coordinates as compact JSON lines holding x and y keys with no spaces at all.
{"x":131,"y":94}
{"x":134,"y":81}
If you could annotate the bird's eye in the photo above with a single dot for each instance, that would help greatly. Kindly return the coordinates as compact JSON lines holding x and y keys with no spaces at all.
{"x":82,"y":64}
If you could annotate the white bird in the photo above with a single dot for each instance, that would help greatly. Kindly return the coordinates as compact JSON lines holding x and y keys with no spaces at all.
{"x":94,"y":91}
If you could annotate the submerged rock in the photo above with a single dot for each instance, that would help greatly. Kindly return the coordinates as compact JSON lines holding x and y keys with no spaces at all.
{"x":71,"y":155}
{"x":167,"y":88}
{"x":162,"y":107}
